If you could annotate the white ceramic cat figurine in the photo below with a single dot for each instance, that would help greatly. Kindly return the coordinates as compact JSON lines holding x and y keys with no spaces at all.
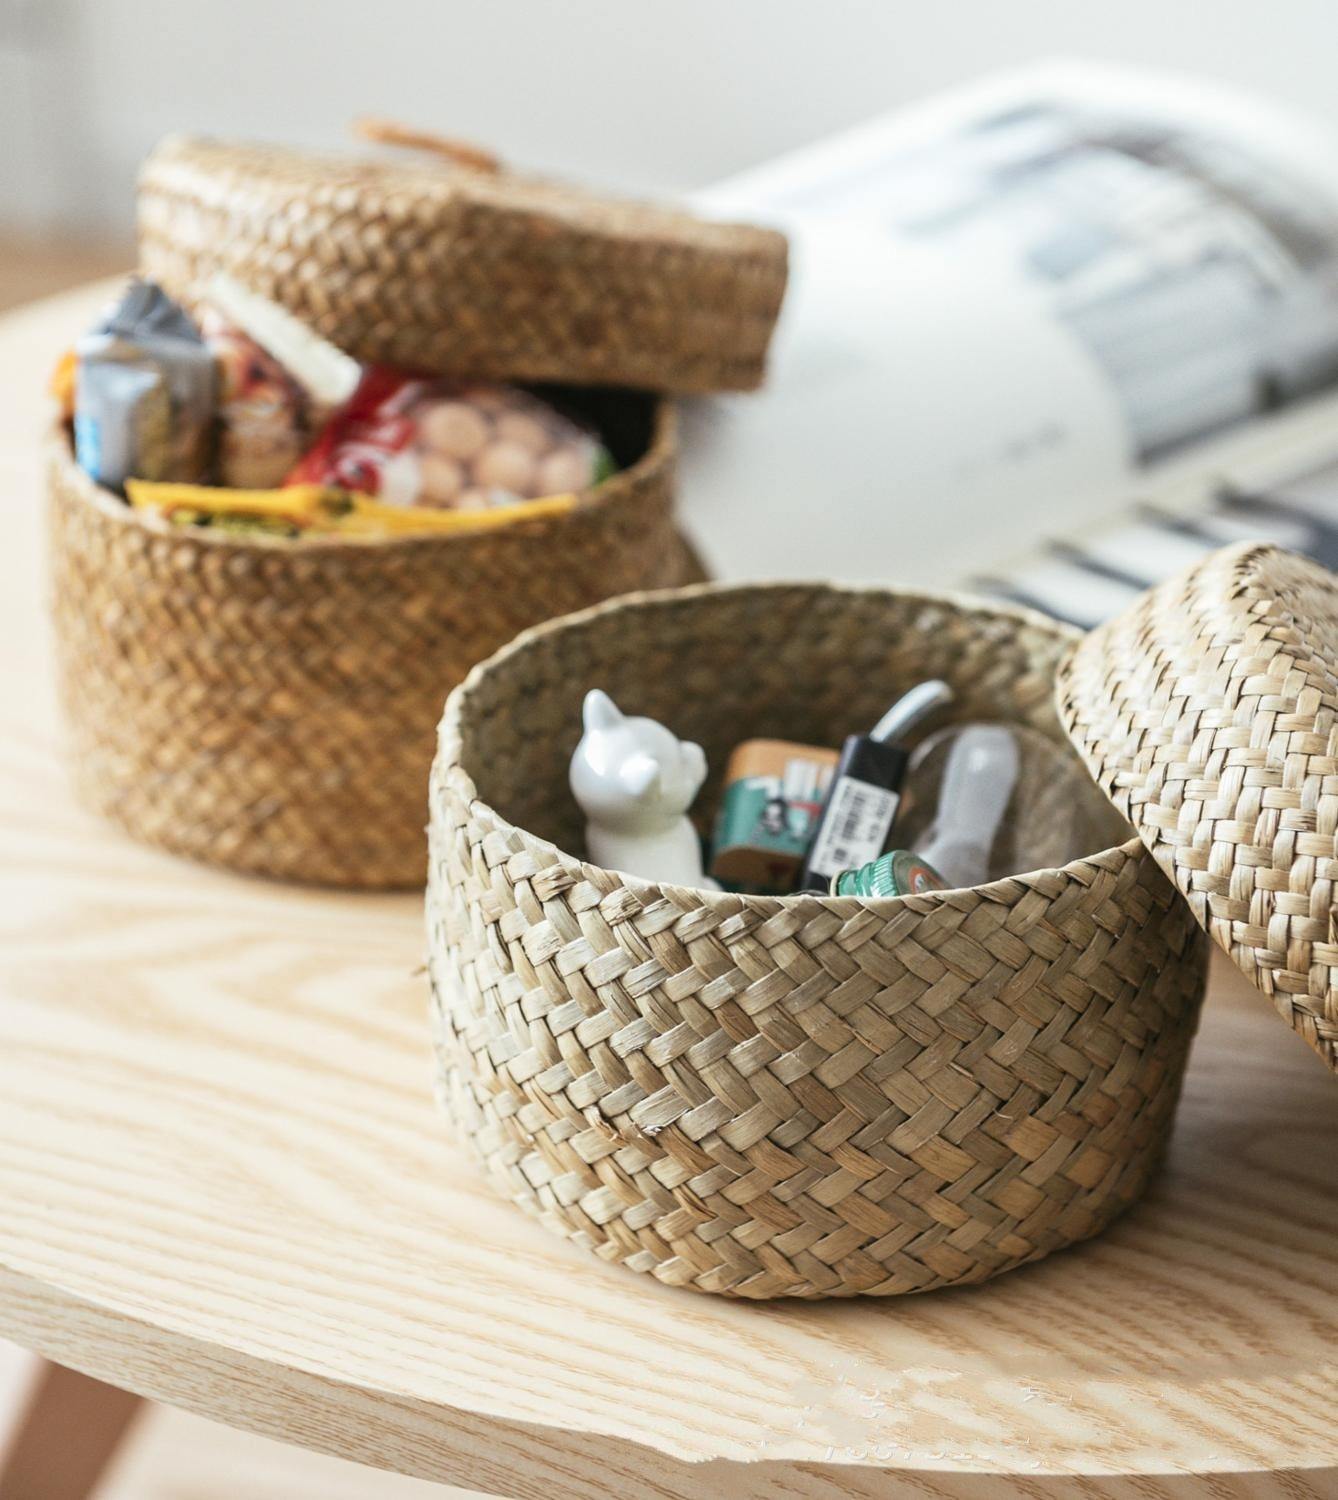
{"x":635,"y":781}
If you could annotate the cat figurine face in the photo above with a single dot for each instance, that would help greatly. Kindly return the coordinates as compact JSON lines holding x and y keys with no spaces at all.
{"x":632,"y":773}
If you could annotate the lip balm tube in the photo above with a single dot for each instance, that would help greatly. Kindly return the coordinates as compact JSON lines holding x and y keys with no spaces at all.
{"x":862,"y":800}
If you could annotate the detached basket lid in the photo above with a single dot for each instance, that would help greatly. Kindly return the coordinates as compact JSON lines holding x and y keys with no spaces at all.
{"x":441,"y":260}
{"x":1208,"y":713}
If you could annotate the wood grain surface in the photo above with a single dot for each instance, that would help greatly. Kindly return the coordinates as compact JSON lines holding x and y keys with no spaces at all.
{"x":223,"y":1184}
{"x":174,"y":1455}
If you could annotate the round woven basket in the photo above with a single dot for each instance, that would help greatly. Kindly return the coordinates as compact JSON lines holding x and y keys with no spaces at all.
{"x":486,"y":274}
{"x":1208,"y":713}
{"x":269,"y":704}
{"x":808,"y":1096}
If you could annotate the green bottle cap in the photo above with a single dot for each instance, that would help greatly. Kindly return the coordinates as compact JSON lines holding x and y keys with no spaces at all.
{"x":896,"y":873}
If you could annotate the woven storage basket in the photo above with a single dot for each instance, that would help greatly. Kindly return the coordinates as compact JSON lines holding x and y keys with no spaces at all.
{"x":422,"y":262}
{"x":804,"y":1096}
{"x":270,"y":705}
{"x":1208,"y":713}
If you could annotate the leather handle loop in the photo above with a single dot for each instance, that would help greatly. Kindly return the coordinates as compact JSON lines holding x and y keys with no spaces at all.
{"x":458,"y":153}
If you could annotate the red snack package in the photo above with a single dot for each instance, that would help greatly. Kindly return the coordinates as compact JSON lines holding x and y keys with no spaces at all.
{"x":413,"y":440}
{"x":365,"y":437}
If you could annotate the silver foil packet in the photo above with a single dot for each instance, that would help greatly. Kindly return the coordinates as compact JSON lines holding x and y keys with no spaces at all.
{"x":145,"y":395}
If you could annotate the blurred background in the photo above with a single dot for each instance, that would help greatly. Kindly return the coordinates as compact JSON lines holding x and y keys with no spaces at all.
{"x":956,"y":368}
{"x":664,"y":98}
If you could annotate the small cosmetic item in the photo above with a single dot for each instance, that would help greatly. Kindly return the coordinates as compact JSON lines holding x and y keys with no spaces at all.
{"x":896,"y":873}
{"x":979,"y":776}
{"x":984,"y":801}
{"x":866,"y":789}
{"x":773,"y":794}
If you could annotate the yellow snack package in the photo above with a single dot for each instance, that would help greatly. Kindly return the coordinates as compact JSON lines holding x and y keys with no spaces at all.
{"x":317,"y":509}
{"x":61,"y":385}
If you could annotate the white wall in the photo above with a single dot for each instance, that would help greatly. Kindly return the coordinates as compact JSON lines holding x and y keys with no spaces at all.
{"x":656,"y":94}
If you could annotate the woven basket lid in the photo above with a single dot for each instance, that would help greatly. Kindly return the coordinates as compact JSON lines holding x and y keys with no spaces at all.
{"x":1208,"y":713}
{"x":439,"y":259}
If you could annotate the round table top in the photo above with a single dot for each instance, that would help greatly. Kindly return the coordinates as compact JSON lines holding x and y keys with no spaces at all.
{"x":224,"y":1184}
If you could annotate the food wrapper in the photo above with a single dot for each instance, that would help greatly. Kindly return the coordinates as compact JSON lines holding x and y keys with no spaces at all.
{"x":412,"y":441}
{"x":321,"y":510}
{"x":144,"y":393}
{"x":263,"y":425}
{"x":278,"y":384}
{"x":60,"y":387}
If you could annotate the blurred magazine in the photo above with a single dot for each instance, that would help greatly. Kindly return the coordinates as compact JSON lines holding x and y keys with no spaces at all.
{"x":1019,"y":308}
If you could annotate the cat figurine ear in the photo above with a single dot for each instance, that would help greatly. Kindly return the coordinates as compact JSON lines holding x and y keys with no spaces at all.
{"x":635,"y":781}
{"x":600,"y":711}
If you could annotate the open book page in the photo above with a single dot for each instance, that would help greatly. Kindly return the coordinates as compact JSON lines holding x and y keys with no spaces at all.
{"x":1089,"y":574}
{"x":1014,"y":310}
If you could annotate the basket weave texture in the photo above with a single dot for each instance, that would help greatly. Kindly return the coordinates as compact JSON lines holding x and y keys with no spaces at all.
{"x":1208,"y":712}
{"x":427,"y":265}
{"x":270,"y":705}
{"x":806,"y":1096}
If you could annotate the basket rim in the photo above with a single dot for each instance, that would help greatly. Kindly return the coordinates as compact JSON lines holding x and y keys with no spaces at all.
{"x":659,"y":458}
{"x":448,"y":766}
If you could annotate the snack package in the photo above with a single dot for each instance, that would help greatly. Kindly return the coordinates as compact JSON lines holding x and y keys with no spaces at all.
{"x":412,"y":441}
{"x":319,"y":510}
{"x":278,"y":384}
{"x":60,"y":387}
{"x":262,"y":411}
{"x":144,"y":393}
{"x":326,"y":375}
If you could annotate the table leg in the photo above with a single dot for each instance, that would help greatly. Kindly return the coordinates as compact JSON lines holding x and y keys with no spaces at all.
{"x":65,"y":1435}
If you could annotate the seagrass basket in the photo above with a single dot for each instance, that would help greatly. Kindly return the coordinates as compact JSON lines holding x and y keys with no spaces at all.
{"x":802,"y":1096}
{"x":1208,"y":714}
{"x":445,"y":260}
{"x":270,"y":705}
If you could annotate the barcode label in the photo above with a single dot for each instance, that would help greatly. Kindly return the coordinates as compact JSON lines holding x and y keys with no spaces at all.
{"x":855,"y":828}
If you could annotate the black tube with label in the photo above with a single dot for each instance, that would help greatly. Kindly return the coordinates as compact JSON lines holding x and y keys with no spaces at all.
{"x":856,"y":818}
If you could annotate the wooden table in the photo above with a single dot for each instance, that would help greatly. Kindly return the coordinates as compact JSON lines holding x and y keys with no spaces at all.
{"x":224,"y":1185}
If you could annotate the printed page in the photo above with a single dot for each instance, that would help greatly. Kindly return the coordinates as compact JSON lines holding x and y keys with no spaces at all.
{"x":1009,"y":308}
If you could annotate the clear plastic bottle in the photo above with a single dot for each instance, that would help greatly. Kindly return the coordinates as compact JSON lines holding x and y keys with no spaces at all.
{"x":982,"y":801}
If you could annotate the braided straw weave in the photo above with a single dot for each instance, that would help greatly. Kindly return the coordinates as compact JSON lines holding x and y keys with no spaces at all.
{"x":429,"y":265}
{"x":270,"y":705}
{"x":805,"y":1096}
{"x":1209,"y":714}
